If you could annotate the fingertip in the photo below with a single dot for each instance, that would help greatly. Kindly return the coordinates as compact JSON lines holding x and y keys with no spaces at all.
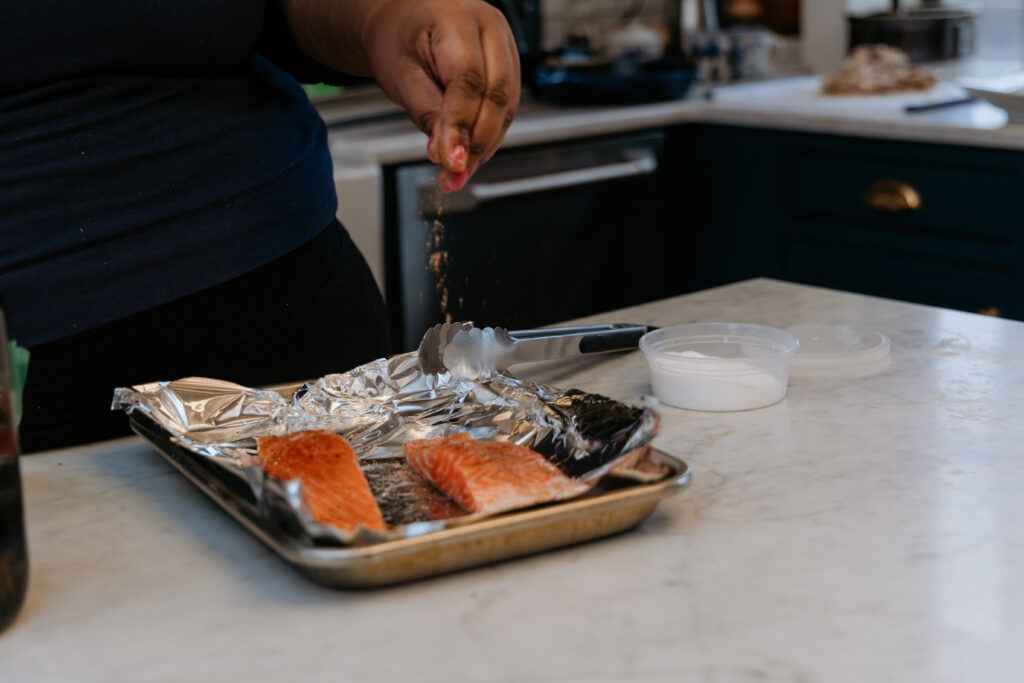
{"x":453,"y":149}
{"x":459,"y":159}
{"x":458,"y":180}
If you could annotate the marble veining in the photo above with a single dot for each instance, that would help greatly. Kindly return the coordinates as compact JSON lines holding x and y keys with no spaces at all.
{"x":864,"y":529}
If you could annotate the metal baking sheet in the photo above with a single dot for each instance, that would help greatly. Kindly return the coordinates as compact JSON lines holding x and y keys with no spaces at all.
{"x":620,"y":501}
{"x":209,"y":429}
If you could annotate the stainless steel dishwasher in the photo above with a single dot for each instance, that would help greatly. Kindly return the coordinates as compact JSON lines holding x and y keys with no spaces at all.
{"x":538,"y":236}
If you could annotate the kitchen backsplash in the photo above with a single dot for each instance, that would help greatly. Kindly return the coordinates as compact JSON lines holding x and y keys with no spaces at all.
{"x":595,"y":18}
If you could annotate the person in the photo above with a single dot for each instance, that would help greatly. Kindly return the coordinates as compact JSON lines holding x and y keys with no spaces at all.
{"x":166,"y":194}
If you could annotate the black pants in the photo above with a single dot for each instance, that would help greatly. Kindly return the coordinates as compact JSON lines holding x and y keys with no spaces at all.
{"x":311,"y":312}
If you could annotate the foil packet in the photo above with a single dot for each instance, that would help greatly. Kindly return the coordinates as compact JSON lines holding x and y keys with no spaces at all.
{"x":377,"y":407}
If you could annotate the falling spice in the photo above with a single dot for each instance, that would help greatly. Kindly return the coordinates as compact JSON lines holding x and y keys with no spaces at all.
{"x":438,"y":261}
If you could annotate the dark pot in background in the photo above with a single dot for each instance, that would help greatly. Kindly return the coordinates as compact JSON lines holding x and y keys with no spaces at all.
{"x":926,"y":35}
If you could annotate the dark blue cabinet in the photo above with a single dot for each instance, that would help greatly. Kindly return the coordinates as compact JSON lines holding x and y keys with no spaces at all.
{"x":934,"y":224}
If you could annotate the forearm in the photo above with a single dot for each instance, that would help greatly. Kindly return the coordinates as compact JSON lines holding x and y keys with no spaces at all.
{"x":332,"y":31}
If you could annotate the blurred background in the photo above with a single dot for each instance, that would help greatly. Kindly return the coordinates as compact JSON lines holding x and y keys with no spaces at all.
{"x":665,"y":146}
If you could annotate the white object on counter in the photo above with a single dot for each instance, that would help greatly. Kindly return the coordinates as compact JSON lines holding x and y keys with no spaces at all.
{"x":635,"y":41}
{"x":838,"y":346}
{"x":719,"y":366}
{"x":1005,"y":92}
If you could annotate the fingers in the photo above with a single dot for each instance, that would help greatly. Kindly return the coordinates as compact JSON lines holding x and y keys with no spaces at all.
{"x":418,"y":94}
{"x":459,"y":56}
{"x":500,"y":99}
{"x":478,"y":66}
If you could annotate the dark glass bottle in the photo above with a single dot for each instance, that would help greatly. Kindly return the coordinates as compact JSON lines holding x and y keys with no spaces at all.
{"x":13,"y":550}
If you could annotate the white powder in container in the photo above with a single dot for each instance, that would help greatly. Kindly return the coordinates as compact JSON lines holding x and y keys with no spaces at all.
{"x":689,"y":379}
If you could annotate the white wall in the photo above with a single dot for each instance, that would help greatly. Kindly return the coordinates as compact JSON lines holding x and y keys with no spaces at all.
{"x":823,"y":33}
{"x":1001,"y":29}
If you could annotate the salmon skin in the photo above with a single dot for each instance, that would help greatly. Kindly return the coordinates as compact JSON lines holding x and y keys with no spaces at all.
{"x":604,"y":427}
{"x":489,"y":476}
{"x":332,"y":483}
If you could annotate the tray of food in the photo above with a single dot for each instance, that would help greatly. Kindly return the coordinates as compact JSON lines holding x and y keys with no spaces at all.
{"x":385,"y":474}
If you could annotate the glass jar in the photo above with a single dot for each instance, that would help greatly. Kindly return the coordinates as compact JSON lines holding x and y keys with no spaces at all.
{"x":13,"y":549}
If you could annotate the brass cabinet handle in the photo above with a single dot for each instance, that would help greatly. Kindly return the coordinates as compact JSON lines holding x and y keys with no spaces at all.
{"x":892,"y":196}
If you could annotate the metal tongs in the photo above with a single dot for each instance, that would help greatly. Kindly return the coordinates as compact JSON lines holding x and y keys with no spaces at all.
{"x":469,"y":352}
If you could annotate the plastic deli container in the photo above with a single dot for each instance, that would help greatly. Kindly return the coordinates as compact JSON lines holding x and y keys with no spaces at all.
{"x":842,"y":350}
{"x":719,"y":366}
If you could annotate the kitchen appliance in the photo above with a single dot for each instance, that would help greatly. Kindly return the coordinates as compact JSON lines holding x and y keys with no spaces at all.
{"x":539,"y":235}
{"x":929,"y":34}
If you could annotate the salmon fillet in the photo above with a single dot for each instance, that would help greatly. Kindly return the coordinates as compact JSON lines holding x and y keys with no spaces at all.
{"x":332,"y":483}
{"x":488,"y":476}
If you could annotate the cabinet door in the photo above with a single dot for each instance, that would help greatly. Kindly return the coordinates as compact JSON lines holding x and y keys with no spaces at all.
{"x":960,"y":199}
{"x":801,"y":207}
{"x":904,"y":276}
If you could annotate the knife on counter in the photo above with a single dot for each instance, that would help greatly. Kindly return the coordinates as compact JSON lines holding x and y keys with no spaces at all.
{"x":938,"y":104}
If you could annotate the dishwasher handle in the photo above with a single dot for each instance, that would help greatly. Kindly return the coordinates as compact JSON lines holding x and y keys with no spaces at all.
{"x":477,"y":193}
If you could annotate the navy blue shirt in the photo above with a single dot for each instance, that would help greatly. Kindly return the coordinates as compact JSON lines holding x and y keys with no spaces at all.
{"x":148,"y":150}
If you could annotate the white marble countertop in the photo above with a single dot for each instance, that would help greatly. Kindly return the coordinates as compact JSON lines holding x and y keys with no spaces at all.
{"x":864,"y":529}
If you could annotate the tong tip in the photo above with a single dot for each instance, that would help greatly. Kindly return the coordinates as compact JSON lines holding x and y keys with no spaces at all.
{"x":431,"y":351}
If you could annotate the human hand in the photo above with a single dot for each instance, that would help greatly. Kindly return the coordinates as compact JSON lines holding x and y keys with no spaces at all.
{"x":454,"y":66}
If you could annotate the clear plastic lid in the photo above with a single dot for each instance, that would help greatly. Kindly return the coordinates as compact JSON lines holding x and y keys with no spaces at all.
{"x":837,"y":346}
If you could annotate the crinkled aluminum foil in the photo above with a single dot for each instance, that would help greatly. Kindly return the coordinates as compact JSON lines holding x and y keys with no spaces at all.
{"x":376,"y":407}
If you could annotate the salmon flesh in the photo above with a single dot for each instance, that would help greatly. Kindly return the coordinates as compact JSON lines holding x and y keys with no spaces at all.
{"x":332,"y":483}
{"x":489,"y":476}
